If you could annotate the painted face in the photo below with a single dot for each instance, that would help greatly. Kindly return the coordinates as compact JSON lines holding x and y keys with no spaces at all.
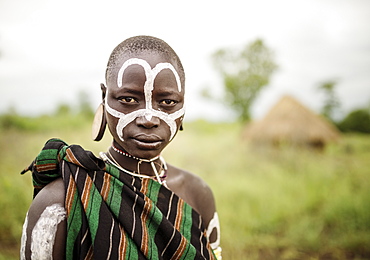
{"x":145,"y":105}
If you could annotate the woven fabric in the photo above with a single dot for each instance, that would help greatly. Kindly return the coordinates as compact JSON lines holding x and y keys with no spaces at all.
{"x":113,"y":215}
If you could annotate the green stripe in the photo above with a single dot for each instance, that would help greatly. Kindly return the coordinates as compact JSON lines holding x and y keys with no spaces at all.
{"x":131,"y":249}
{"x":47,"y":156}
{"x":187,"y":221}
{"x":114,"y":201}
{"x":112,"y":170}
{"x":93,"y":210}
{"x":186,"y":224}
{"x":189,"y":252}
{"x":114,"y":196}
{"x":153,"y":191}
{"x":74,"y":222}
{"x":63,"y":152}
{"x":45,"y":161}
{"x":154,"y":218}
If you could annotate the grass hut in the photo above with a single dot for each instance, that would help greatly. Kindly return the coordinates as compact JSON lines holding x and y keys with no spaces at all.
{"x":289,"y":122}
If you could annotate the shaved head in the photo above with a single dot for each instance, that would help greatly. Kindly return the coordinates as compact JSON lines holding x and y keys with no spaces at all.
{"x":133,"y":46}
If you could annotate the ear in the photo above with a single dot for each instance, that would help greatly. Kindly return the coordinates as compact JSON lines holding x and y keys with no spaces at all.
{"x":103,"y":91}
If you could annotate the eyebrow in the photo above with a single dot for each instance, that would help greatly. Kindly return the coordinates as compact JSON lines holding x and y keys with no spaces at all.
{"x":167,"y":93}
{"x":131,"y":91}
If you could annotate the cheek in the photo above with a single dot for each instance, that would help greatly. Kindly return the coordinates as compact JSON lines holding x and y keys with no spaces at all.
{"x":112,"y":123}
{"x":174,"y":131}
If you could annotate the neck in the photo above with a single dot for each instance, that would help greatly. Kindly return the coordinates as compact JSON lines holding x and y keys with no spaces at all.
{"x":134,"y":164}
{"x":122,"y":152}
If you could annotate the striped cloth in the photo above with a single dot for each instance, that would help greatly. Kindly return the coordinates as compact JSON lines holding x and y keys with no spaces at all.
{"x":113,"y":215}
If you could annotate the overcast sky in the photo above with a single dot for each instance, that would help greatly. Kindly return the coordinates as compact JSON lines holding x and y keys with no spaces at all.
{"x":51,"y":50}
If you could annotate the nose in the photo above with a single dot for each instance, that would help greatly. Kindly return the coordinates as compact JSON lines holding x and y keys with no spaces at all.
{"x":148,"y":122}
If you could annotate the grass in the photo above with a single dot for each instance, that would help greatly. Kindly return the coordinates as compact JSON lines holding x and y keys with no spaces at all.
{"x":273,"y":203}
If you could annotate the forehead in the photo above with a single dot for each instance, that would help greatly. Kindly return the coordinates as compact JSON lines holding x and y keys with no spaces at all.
{"x":152,"y":58}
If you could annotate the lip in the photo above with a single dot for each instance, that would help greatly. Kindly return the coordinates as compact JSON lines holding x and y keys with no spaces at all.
{"x":147,"y":142}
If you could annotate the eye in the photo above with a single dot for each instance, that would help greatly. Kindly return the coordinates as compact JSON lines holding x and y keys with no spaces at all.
{"x":128,"y":100}
{"x":168,"y":102}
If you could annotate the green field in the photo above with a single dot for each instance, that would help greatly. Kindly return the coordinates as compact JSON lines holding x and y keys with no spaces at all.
{"x":273,"y":203}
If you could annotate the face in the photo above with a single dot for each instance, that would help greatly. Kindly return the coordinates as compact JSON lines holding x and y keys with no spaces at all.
{"x":144,"y":104}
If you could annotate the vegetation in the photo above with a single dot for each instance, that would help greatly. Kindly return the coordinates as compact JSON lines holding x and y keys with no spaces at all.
{"x":244,"y":74}
{"x":357,"y":120}
{"x":273,"y":204}
{"x":331,"y":103}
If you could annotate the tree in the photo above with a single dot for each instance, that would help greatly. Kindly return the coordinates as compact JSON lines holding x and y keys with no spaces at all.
{"x":331,"y":103}
{"x":356,"y":121}
{"x":244,"y":74}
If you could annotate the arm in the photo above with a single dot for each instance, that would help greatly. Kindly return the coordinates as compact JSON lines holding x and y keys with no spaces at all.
{"x":44,"y":231}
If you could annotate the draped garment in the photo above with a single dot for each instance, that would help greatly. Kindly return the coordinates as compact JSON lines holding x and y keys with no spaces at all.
{"x":113,"y":215}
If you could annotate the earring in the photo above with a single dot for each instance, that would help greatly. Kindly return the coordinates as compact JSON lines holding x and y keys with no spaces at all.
{"x":99,"y":124}
{"x":181,"y":124}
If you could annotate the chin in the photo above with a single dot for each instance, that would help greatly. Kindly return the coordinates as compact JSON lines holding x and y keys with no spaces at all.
{"x":147,"y":154}
{"x":143,"y":153}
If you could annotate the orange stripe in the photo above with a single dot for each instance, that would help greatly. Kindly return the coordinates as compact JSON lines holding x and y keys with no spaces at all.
{"x":122,"y":244}
{"x":86,"y":192}
{"x":70,"y":194}
{"x":71,"y":157}
{"x":144,"y":186}
{"x":46,"y":167}
{"x":180,"y":250}
{"x":179,"y":215}
{"x":89,"y":254}
{"x":145,"y":237}
{"x":144,"y":216}
{"x":106,"y":186}
{"x":210,"y":252}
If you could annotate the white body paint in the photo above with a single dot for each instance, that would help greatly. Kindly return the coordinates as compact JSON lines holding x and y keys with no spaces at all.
{"x":43,"y":233}
{"x":148,"y":112}
{"x":24,"y":239}
{"x":214,"y":224}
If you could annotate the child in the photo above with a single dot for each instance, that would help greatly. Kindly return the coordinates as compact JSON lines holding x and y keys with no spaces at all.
{"x":127,"y":204}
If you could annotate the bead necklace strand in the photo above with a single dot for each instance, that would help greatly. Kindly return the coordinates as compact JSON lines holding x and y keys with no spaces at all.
{"x":133,"y":157}
{"x":161,"y":178}
{"x":140,"y":160}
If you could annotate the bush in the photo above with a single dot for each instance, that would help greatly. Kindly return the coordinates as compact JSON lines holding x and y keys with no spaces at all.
{"x":356,"y":121}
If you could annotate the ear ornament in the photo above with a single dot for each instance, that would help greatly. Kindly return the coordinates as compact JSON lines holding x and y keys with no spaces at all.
{"x":99,"y":123}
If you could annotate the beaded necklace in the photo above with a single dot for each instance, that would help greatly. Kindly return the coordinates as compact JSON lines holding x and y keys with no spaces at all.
{"x":160,"y":177}
{"x":133,"y":157}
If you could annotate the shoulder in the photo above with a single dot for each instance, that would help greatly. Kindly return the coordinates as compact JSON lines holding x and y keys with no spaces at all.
{"x":193,"y":190}
{"x":51,"y":194}
{"x":196,"y":192}
{"x":46,"y":217}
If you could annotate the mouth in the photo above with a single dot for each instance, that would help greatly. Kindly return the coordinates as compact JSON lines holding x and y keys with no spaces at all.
{"x":147,"y":142}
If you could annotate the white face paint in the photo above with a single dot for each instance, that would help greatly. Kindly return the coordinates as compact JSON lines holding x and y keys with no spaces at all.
{"x":43,"y":233}
{"x":24,"y":239}
{"x":148,"y":112}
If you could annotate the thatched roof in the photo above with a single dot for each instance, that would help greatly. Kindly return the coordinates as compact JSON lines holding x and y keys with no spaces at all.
{"x":291,"y":122}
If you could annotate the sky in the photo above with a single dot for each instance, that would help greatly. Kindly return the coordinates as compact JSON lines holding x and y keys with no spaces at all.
{"x":52,"y":50}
